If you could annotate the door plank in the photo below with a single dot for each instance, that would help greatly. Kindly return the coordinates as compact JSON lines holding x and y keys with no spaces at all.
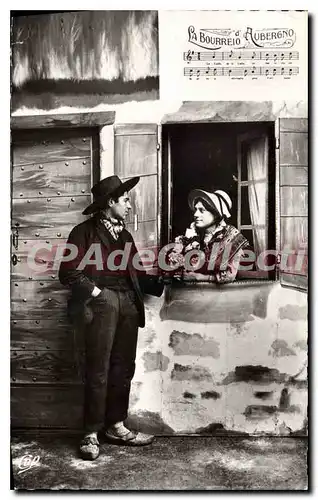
{"x":49,"y":212}
{"x":46,"y":233}
{"x":44,"y":334}
{"x":46,"y":366}
{"x":50,"y":148}
{"x":46,"y":407}
{"x":67,"y":178}
{"x":38,"y":299}
{"x":22,"y":271}
{"x":65,"y":121}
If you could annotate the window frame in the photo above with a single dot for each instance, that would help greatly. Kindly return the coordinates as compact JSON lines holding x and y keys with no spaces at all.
{"x":241,"y":138}
{"x":167,"y":187}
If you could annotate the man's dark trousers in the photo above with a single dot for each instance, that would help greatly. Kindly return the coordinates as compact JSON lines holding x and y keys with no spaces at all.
{"x":110,"y":344}
{"x":109,"y":321}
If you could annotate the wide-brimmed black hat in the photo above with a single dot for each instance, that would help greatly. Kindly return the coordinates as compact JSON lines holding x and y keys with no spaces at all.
{"x":109,"y":187}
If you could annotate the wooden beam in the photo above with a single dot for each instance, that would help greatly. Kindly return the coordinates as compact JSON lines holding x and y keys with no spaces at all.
{"x":221,"y":111}
{"x":63,"y":121}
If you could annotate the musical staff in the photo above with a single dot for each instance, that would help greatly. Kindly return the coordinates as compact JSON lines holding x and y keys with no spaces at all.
{"x":244,"y":55}
{"x":240,"y":71}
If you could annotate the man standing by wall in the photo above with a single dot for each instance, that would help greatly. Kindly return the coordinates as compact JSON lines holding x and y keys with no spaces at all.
{"x":107,"y":298}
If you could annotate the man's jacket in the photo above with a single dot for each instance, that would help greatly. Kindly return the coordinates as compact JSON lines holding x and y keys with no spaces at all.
{"x":82,"y":281}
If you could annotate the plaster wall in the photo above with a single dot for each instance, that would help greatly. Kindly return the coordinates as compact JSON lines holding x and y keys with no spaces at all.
{"x":231,"y":376}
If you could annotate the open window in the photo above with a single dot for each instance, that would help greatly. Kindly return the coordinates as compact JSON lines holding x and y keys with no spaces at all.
{"x":238,"y":158}
{"x":261,"y":165}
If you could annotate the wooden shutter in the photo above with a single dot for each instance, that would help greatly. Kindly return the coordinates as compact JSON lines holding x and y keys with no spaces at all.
{"x":293,"y":182}
{"x":137,"y":153}
{"x":51,"y":181}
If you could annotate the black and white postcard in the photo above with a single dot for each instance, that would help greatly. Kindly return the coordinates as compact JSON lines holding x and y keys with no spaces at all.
{"x":159,"y":243}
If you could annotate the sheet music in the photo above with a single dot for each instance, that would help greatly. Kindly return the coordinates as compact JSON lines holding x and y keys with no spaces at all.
{"x":255,"y":55}
{"x":234,"y":55}
{"x":198,"y":72}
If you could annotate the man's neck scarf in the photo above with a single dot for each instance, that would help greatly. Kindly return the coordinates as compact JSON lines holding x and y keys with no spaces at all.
{"x":114,"y":226}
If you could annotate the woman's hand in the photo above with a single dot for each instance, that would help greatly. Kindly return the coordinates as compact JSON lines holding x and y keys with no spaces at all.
{"x":197,"y":277}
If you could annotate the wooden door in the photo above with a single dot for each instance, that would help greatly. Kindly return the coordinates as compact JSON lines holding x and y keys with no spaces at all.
{"x":52,"y":174}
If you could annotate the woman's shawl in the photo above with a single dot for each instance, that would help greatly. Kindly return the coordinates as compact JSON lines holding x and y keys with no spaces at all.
{"x":223,"y":249}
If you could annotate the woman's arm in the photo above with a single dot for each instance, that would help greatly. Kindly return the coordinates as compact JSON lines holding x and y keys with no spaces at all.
{"x":225,"y":276}
{"x":229,"y":274}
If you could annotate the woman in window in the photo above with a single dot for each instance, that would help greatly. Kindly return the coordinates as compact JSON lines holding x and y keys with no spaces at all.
{"x":217,"y":247}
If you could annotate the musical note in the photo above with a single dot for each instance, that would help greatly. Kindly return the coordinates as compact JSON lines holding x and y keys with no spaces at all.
{"x":239,"y":55}
{"x":240,"y":71}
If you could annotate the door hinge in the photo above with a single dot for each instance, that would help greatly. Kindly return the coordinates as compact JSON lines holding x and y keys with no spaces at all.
{"x":158,"y":147}
{"x":15,"y":238}
{"x":277,"y":142}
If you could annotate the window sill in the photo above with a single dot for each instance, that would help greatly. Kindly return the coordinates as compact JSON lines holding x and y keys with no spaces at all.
{"x":212,"y":303}
{"x":237,"y":283}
